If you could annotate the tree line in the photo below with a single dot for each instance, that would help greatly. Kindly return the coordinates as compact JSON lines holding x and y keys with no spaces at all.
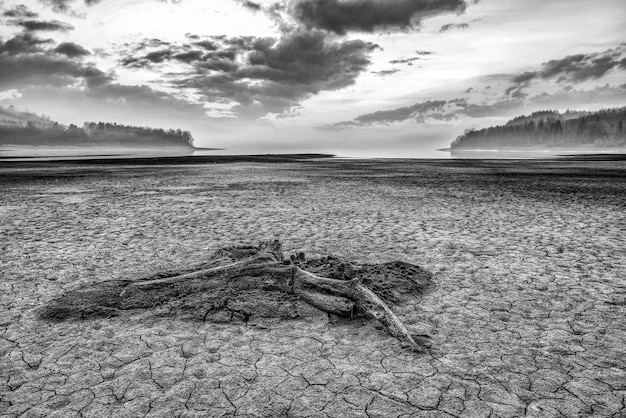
{"x":91,"y":134}
{"x":549,"y":128}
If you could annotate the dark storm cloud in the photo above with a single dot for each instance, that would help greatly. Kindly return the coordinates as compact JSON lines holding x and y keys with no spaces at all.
{"x":451,"y":26}
{"x":341,"y":16}
{"x":42,"y":25}
{"x":71,"y":50}
{"x":258,"y":76}
{"x":20,"y":12}
{"x":573,"y":68}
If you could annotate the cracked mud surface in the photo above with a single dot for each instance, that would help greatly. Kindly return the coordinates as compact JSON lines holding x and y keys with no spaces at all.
{"x":526,"y":318}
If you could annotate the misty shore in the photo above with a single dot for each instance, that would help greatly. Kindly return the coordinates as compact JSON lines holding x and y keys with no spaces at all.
{"x":535,"y":153}
{"x":164,"y":158}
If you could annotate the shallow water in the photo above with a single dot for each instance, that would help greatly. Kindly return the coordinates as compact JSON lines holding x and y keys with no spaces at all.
{"x":530,"y":153}
{"x":75,"y":153}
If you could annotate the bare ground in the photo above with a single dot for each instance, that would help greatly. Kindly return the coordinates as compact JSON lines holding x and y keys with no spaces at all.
{"x":526,"y":319}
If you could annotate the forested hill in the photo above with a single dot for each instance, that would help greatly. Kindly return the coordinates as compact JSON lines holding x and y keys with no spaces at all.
{"x":12,"y":117}
{"x":551,"y":129}
{"x":23,"y":128}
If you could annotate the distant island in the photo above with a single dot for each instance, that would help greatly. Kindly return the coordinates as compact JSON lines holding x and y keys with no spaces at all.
{"x":28,"y":129}
{"x":549,"y":129}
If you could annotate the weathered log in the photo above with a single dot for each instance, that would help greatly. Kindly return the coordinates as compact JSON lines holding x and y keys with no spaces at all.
{"x":365,"y":300}
{"x":339,"y":297}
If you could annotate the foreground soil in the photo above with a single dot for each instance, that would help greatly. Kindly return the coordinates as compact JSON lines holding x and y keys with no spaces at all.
{"x":525,"y":318}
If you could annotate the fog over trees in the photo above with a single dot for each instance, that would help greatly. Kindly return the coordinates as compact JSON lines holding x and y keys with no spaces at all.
{"x":550,"y":129}
{"x":23,"y":128}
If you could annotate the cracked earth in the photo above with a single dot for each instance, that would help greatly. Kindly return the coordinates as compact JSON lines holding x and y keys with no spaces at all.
{"x":526,"y":316}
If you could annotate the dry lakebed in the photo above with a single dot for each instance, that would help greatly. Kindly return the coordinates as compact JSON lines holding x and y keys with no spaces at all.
{"x":524,"y":313}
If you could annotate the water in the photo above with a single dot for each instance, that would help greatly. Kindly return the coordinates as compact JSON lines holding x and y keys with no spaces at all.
{"x":504,"y":154}
{"x":35,"y":153}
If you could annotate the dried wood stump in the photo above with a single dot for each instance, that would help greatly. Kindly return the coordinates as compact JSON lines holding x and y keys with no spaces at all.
{"x":242,"y":282}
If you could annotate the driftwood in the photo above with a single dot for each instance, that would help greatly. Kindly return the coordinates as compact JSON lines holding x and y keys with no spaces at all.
{"x":245,"y":282}
{"x":338,"y":297}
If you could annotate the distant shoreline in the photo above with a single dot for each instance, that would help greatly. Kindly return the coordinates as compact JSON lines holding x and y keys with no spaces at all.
{"x":71,"y":152}
{"x":536,"y":153}
{"x":165,"y":160}
{"x":19,"y":147}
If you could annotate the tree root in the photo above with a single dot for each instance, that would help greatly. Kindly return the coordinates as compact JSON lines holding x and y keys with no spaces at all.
{"x":253,"y":270}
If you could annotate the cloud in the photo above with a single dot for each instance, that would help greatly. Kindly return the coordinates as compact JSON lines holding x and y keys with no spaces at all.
{"x":20,"y":11}
{"x":63,"y":6}
{"x":31,"y":66}
{"x":71,"y":50}
{"x":524,"y":77}
{"x":341,"y":16}
{"x":28,"y":60}
{"x":42,"y":25}
{"x":451,"y":26}
{"x":606,"y":95}
{"x":573,"y":68}
{"x":483,"y":110}
{"x":411,"y":60}
{"x":22,"y":16}
{"x":407,"y":61}
{"x":10,"y":94}
{"x":255,"y":7}
{"x":24,"y":43}
{"x":39,"y":69}
{"x":416,"y":112}
{"x":155,"y":51}
{"x":140,"y":95}
{"x":257,"y":76}
{"x":385,"y":73}
{"x":450,"y":110}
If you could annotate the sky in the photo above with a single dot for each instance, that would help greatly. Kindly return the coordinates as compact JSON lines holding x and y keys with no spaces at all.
{"x":364,"y":78}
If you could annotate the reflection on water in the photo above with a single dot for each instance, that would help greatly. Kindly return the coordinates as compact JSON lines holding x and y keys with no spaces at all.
{"x":33,"y":153}
{"x":529,"y":153}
